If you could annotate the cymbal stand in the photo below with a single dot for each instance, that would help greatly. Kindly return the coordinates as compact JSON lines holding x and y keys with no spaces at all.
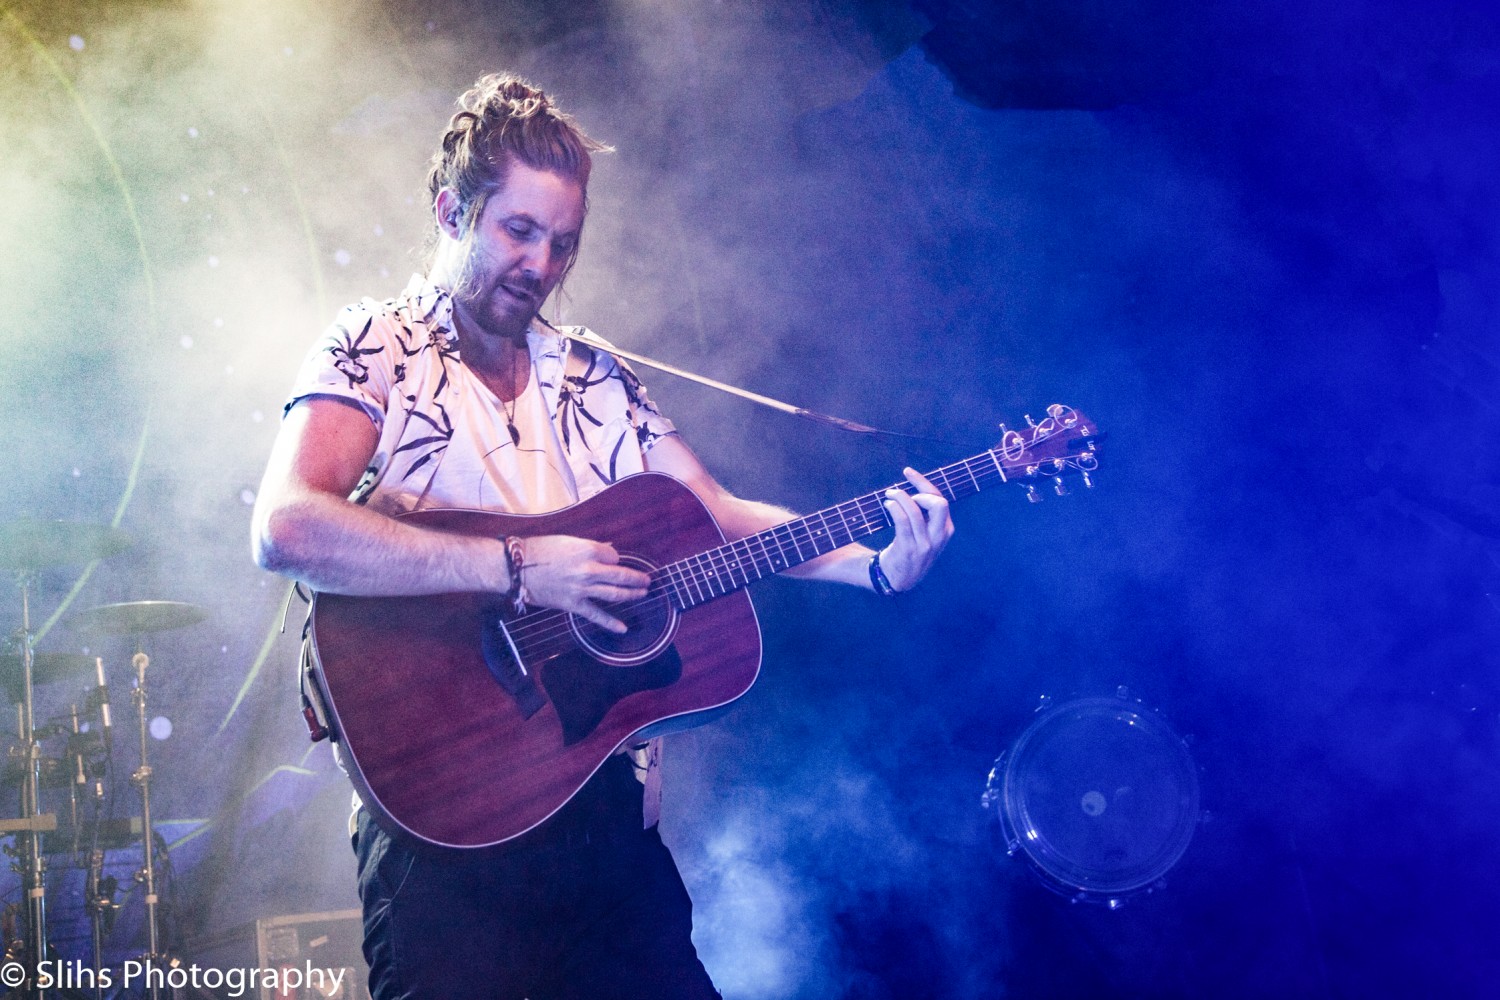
{"x":80,"y":773}
{"x":32,"y":866}
{"x":99,"y":897}
{"x":142,"y":779}
{"x":98,"y":891}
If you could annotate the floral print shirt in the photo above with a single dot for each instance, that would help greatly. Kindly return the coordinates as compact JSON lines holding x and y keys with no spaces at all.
{"x":584,"y":421}
{"x":399,"y":361}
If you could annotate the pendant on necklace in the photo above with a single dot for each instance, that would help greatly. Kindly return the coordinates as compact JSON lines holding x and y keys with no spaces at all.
{"x":510,"y":411}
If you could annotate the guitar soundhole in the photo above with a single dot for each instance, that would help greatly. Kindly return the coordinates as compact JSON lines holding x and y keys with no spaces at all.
{"x":651,"y":622}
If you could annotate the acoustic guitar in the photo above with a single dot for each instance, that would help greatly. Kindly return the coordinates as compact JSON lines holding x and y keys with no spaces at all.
{"x":465,"y":725}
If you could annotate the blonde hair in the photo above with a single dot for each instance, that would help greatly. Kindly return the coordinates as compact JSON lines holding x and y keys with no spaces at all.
{"x":501,"y":119}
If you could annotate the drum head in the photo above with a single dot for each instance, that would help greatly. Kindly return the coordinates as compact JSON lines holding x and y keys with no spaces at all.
{"x":1100,"y":795}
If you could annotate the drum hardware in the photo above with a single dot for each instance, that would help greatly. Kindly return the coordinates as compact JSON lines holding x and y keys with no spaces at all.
{"x":82,"y":758}
{"x":138,"y":619}
{"x":46,"y":668}
{"x":29,"y":862}
{"x":27,"y":545}
{"x":1098,"y":796}
{"x":87,"y":839}
{"x":11,"y":929}
{"x":78,"y":748}
{"x":101,"y":834}
{"x":141,"y":778}
{"x":77,"y":753}
{"x":99,"y":897}
{"x":45,"y":823}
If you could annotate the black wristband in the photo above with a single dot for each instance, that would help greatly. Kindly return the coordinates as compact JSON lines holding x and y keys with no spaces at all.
{"x":878,"y":578}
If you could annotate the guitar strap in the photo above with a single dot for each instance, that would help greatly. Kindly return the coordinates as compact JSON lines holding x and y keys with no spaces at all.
{"x":598,"y":343}
{"x":314,"y":712}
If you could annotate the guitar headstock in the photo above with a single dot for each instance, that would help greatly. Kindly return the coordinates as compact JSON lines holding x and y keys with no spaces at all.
{"x":1062,"y":444}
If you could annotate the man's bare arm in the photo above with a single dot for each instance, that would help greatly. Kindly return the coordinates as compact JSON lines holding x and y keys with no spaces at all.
{"x":305,"y":527}
{"x":922,"y":523}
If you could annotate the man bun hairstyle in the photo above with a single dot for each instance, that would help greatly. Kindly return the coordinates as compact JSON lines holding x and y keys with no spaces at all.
{"x":502,"y":119}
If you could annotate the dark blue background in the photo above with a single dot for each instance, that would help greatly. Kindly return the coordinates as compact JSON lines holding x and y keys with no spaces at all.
{"x":1256,"y":244}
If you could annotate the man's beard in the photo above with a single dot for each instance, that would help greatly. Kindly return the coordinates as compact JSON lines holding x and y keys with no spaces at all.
{"x":494,"y":310}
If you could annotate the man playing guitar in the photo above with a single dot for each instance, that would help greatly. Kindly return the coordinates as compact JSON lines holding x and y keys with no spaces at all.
{"x":457,"y":395}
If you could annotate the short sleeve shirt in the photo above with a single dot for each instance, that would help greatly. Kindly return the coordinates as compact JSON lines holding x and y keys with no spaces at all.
{"x":584,"y":419}
{"x":583,"y":422}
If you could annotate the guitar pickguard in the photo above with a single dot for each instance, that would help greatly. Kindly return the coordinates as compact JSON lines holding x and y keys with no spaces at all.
{"x":583,"y":690}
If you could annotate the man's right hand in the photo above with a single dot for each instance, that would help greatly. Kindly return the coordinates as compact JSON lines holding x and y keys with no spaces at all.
{"x":577,"y":575}
{"x":304,"y":527}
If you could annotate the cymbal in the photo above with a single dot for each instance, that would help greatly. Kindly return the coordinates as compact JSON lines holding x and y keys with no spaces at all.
{"x":46,"y":668}
{"x":27,"y":544}
{"x":137,"y":617}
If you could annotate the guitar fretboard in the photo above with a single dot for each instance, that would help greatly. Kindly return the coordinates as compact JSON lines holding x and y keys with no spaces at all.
{"x":703,"y":577}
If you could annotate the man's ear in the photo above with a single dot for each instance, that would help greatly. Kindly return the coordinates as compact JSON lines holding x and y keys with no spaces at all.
{"x":449,"y":213}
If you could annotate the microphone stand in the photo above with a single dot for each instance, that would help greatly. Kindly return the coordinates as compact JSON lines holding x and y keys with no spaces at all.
{"x":142,"y":779}
{"x":99,"y":896}
{"x":98,"y":890}
{"x":31,"y":865}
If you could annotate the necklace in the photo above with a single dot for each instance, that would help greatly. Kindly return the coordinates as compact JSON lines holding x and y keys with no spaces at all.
{"x":509,"y":408}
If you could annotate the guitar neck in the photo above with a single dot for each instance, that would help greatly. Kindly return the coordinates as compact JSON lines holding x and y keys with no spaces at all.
{"x":737,"y":564}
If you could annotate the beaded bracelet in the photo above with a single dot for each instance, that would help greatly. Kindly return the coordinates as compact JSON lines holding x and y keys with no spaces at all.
{"x":515,"y":552}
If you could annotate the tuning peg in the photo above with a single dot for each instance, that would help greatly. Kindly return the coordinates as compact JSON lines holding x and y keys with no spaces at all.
{"x":1032,"y":495}
{"x":1029,"y":421}
{"x":1003,"y":431}
{"x":1088,"y":480}
{"x":1059,"y":486}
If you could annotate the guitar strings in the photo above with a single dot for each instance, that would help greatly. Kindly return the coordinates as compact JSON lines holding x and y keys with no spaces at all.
{"x":681,"y":580}
{"x":545,"y":626}
{"x":541,"y":628}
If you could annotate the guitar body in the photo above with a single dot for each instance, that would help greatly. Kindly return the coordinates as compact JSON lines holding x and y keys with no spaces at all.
{"x":450,"y":742}
{"x":465,"y":726}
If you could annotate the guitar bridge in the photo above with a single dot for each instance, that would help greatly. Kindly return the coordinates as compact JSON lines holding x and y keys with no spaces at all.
{"x":506,"y":664}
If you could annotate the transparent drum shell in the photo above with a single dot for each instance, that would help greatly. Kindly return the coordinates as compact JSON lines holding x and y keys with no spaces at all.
{"x":1099,"y":796}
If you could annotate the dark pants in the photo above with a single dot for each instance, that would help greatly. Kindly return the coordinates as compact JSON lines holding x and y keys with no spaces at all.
{"x":586,"y":907}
